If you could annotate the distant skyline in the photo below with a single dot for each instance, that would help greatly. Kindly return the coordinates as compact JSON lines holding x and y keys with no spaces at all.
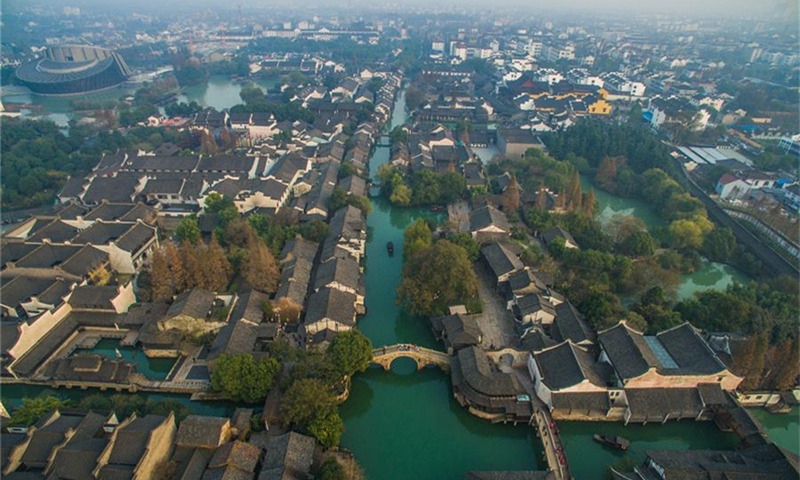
{"x":689,"y":8}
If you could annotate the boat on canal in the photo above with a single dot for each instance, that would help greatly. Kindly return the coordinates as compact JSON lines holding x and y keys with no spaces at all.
{"x":390,"y":248}
{"x":619,"y":443}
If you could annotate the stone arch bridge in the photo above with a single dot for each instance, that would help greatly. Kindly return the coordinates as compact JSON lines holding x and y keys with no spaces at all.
{"x":423,"y":357}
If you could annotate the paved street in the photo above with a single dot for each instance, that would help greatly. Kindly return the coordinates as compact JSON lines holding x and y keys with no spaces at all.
{"x":496,"y":322}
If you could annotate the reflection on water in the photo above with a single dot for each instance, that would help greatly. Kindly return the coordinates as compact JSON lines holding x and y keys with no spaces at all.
{"x":152,"y":368}
{"x":220,"y":92}
{"x":588,"y":459}
{"x":783,"y":428}
{"x":712,"y":276}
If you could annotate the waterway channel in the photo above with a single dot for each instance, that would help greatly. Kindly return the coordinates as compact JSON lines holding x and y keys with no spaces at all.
{"x":405,"y":424}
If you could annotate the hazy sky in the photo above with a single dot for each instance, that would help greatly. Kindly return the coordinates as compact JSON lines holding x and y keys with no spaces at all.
{"x":689,"y":8}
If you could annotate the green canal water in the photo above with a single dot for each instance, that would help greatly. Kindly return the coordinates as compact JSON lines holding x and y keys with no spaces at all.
{"x":711,"y":276}
{"x":220,"y":92}
{"x":783,"y":428}
{"x":405,"y":423}
{"x":152,"y":368}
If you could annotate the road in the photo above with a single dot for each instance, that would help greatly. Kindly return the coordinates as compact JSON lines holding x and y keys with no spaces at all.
{"x":496,"y":322}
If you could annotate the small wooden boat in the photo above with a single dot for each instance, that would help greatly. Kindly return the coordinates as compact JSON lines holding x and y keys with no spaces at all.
{"x":436,"y":208}
{"x":612,"y":441}
{"x":390,"y":248}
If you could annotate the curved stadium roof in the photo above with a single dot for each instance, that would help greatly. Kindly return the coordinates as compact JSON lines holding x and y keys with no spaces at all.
{"x":50,"y":77}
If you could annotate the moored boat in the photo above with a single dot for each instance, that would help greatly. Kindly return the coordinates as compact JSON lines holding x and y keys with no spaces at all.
{"x":612,"y":441}
{"x":390,"y":248}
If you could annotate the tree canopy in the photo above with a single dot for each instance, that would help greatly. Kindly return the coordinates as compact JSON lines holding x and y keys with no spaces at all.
{"x":241,"y":377}
{"x":438,"y":277}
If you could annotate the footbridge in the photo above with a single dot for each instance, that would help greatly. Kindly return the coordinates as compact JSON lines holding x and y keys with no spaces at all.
{"x":423,"y":357}
{"x":551,"y":440}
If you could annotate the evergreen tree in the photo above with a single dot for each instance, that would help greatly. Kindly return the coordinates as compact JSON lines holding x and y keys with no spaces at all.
{"x":226,"y":140}
{"x":188,"y":230}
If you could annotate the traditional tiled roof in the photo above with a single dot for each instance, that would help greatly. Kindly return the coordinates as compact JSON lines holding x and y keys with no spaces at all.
{"x":570,"y":325}
{"x":102,"y":233}
{"x":297,"y":260}
{"x":581,"y":401}
{"x":567,"y":364}
{"x":627,"y":350}
{"x":288,"y":457}
{"x":344,"y":271}
{"x":51,"y":430}
{"x":131,"y":445}
{"x":200,"y":431}
{"x":481,"y":376}
{"x":532,"y":303}
{"x":690,"y":352}
{"x":196,"y":303}
{"x":235,"y":460}
{"x":654,"y":404}
{"x":501,"y":260}
{"x":57,"y":231}
{"x":333,"y":304}
{"x":91,"y":368}
{"x":765,"y":462}
{"x":93,"y":297}
{"x":557,"y":232}
{"x":136,"y":237}
{"x":486,"y":216}
{"x":458,"y":331}
{"x":72,"y":211}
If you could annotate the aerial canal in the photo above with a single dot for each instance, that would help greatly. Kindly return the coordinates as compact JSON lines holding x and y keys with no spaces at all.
{"x":405,"y":423}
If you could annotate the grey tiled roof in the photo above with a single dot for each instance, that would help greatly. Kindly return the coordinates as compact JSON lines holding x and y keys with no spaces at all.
{"x":486,"y":216}
{"x":196,"y":303}
{"x":201,"y":431}
{"x":566,"y":365}
{"x":570,"y":325}
{"x":484,"y":378}
{"x":690,"y":351}
{"x":93,"y":297}
{"x":333,"y":304}
{"x":627,"y":350}
{"x":288,"y":457}
{"x":501,"y":260}
{"x":344,"y":271}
